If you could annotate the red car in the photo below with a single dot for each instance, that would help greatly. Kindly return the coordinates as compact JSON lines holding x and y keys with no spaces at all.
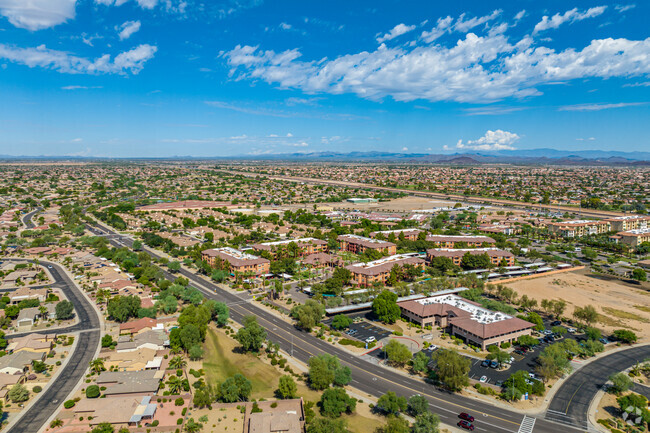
{"x":466,"y":417}
{"x":466,"y":425}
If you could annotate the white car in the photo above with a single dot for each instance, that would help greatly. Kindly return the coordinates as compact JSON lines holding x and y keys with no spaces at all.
{"x":432,"y":347}
{"x":483,"y":379}
{"x":370,"y":339}
{"x":571,"y":330}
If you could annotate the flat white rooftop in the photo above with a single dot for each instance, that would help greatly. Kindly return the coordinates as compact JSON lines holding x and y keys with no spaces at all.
{"x":397,"y":231}
{"x":288,"y":241}
{"x":363,"y":238}
{"x":637,"y":231}
{"x":631,"y":217}
{"x":236,"y":253}
{"x":383,"y":261}
{"x":479,"y":314}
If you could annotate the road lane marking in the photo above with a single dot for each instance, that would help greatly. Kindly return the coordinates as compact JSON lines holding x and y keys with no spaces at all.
{"x":527,"y":424}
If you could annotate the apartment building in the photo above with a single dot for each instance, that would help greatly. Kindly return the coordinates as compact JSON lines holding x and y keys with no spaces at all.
{"x":456,"y":255}
{"x":579,"y":228}
{"x":634,"y":237}
{"x":407,"y":234}
{"x":306,"y":246}
{"x":465,"y":319}
{"x":365,"y":274}
{"x":359,"y":244}
{"x":629,"y":222}
{"x":443,"y":241}
{"x":238,"y":261}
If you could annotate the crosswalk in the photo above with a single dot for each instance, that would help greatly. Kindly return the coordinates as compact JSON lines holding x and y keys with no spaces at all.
{"x":527,"y":424}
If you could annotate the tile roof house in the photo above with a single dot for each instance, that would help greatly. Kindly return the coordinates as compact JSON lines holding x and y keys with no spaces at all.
{"x":126,"y":383}
{"x":138,"y":325}
{"x":153,"y":339}
{"x":32,"y":343}
{"x":125,"y":411}
{"x":282,"y":416}
{"x":19,"y":362}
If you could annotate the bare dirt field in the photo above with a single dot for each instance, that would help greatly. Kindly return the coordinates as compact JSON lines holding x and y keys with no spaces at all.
{"x":620,"y":305}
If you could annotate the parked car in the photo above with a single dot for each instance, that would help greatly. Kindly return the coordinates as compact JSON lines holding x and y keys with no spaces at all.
{"x":571,"y":330}
{"x":603,"y":340}
{"x":520,"y":352}
{"x":556,"y":323}
{"x":494,"y":364}
{"x":370,"y":339}
{"x":432,"y":347}
{"x":499,"y":383}
{"x":485,"y":363}
{"x":483,"y":379}
{"x":466,"y":425}
{"x":466,"y":416}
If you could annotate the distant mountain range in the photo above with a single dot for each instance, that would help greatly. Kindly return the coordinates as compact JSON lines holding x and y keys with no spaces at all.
{"x":529,"y":156}
{"x":523,"y":156}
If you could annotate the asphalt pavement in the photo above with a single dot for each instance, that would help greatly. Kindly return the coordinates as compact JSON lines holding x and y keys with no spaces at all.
{"x":50,"y":401}
{"x":366,"y":376}
{"x":27,"y":218}
{"x":570,"y":404}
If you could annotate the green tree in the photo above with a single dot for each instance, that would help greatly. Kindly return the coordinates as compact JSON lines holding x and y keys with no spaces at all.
{"x":452,"y":369}
{"x":417,"y":405}
{"x":233,"y":389}
{"x":309,"y":314}
{"x":621,"y":382}
{"x":426,"y":423}
{"x":97,"y":365}
{"x":121,"y":308}
{"x":64,"y":310}
{"x":328,"y":425}
{"x":189,"y":335}
{"x":325,"y":370}
{"x":286,"y":387}
{"x":420,"y":362}
{"x":174,"y":385}
{"x":18,"y":393}
{"x":593,"y":333}
{"x":177,"y":362}
{"x":341,"y":321}
{"x":335,"y":401}
{"x":252,"y":335}
{"x":586,"y":315}
{"x":639,"y":274}
{"x":395,"y":424}
{"x":385,"y":307}
{"x":196,"y":352}
{"x":107,"y":341}
{"x":192,"y":426}
{"x":625,"y":335}
{"x":174,"y":266}
{"x":398,"y":354}
{"x":536,"y":319}
{"x":391,"y":404}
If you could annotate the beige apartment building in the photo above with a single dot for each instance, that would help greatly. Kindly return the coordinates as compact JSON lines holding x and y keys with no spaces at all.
{"x":408,"y":234}
{"x":238,"y":261}
{"x":456,"y":255}
{"x":579,"y":228}
{"x":629,"y":222}
{"x":634,"y":237}
{"x":359,"y":244}
{"x":444,"y":241}
{"x":365,"y":274}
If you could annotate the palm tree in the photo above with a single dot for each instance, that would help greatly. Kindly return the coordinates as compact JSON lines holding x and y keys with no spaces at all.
{"x":175,"y":385}
{"x":177,"y":362}
{"x":97,"y":365}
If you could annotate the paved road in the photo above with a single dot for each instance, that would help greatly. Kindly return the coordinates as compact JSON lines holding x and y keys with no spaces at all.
{"x":571,"y":402}
{"x":27,"y":218}
{"x":368,"y":377}
{"x":88,"y":340}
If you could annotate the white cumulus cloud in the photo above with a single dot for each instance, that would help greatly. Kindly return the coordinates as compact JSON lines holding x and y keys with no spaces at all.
{"x":475,"y":69}
{"x":144,"y":4}
{"x":492,"y":140}
{"x":570,"y":16}
{"x":127,"y":29}
{"x":127,"y":62}
{"x":37,"y":14}
{"x":396,"y":31}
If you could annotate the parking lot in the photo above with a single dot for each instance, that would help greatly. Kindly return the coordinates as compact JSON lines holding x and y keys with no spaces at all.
{"x":362,"y":330}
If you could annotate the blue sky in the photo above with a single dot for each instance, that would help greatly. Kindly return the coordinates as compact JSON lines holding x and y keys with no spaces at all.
{"x":155,"y":78}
